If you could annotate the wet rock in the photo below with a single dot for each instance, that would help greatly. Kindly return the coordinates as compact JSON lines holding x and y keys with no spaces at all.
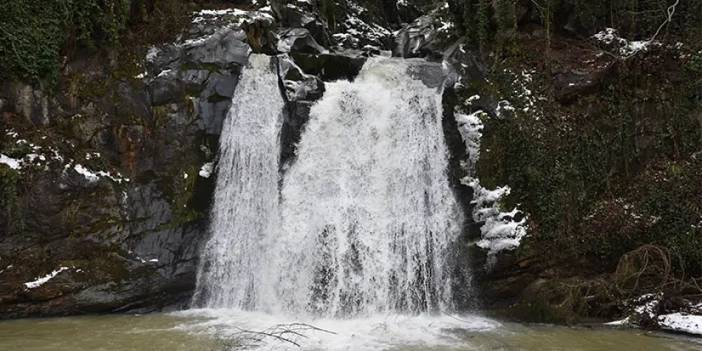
{"x":300,"y":92}
{"x":162,"y":58}
{"x":298,"y":40}
{"x":298,"y":85}
{"x":407,"y":11}
{"x":27,"y":101}
{"x":224,"y":48}
{"x":330,"y":67}
{"x":419,"y":39}
{"x":303,"y":15}
{"x":434,"y":75}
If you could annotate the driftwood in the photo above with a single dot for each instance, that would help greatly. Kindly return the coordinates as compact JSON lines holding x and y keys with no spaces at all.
{"x":287,"y":333}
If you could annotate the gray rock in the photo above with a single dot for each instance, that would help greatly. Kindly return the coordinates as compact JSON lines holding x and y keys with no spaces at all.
{"x":298,"y":40}
{"x":329,"y":67}
{"x":298,"y":85}
{"x":31,"y":103}
{"x":165,"y":90}
{"x":572,"y":84}
{"x":418,"y":39}
{"x":433,"y":74}
{"x":224,"y":48}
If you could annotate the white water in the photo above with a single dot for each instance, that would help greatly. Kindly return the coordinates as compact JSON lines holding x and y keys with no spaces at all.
{"x":367,"y":214}
{"x":262,"y":331}
{"x":365,"y":218}
{"x":245,"y":207}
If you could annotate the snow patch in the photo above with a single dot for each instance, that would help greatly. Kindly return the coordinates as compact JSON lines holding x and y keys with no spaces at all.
{"x":504,"y":108}
{"x":686,"y":323}
{"x":206,"y":170}
{"x":11,"y":162}
{"x":90,"y":176}
{"x":472,"y":99}
{"x":471,"y":129}
{"x":42,"y":280}
{"x":152,"y":54}
{"x":500,"y":230}
{"x":624,"y":47}
{"x":93,"y":176}
{"x":621,"y":322}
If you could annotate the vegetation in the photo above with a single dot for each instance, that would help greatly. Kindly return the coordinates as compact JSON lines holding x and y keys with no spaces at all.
{"x":37,"y":36}
{"x":10,"y":220}
{"x":610,"y":175}
{"x":484,"y":20}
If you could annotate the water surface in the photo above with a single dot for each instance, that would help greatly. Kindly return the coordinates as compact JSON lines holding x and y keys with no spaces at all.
{"x":219,"y":330}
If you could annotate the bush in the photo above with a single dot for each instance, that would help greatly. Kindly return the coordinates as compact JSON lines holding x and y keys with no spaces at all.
{"x":609,"y":172}
{"x":36,"y":34}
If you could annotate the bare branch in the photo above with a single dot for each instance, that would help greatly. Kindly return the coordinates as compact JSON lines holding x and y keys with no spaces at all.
{"x":670,"y":11}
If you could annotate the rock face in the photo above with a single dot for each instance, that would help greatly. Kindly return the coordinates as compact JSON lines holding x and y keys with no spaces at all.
{"x":109,"y":209}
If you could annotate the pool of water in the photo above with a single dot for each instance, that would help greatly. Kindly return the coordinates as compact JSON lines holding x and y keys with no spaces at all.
{"x":220,"y":330}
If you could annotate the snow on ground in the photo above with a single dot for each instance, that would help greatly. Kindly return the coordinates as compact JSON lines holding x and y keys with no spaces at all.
{"x":42,"y":280}
{"x":679,"y":322}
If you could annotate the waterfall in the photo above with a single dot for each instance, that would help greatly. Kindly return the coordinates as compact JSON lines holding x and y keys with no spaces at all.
{"x":245,"y":206}
{"x":365,"y":219}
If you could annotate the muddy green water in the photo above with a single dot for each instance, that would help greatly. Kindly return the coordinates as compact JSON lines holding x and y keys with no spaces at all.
{"x":192,"y":332}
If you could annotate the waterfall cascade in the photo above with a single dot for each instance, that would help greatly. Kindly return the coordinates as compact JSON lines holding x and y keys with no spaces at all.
{"x":365,"y":218}
{"x":245,"y":206}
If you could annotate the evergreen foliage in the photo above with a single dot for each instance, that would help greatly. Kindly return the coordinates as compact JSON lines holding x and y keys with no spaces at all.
{"x":35,"y":35}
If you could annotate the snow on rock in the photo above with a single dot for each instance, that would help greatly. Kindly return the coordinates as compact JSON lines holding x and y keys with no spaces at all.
{"x":500,"y":230}
{"x":206,"y":170}
{"x":42,"y":156}
{"x":646,"y":305}
{"x":679,"y":322}
{"x":11,"y":162}
{"x":504,"y":109}
{"x":42,"y":280}
{"x":470,"y":100}
{"x":610,"y":38}
{"x":471,"y":129}
{"x":355,"y":32}
{"x":646,"y":308}
{"x":237,"y":16}
{"x":152,"y":54}
{"x":90,"y":176}
{"x":93,"y":177}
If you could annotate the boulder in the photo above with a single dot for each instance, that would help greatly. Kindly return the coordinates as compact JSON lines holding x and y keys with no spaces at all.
{"x":329,"y":67}
{"x":298,"y":40}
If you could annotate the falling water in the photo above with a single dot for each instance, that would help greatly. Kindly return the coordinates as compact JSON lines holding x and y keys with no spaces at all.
{"x":246,"y":195}
{"x":367,"y":211}
{"x":366,"y":215}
